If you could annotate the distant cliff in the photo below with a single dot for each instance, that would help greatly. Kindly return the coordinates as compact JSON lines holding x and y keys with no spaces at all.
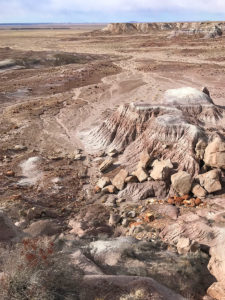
{"x":212,"y":29}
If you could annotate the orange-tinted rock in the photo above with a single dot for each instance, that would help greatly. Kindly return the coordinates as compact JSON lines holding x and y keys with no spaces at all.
{"x":97,"y":189}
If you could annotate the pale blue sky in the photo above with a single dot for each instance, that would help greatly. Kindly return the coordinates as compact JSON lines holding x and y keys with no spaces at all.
{"x":76,"y":11}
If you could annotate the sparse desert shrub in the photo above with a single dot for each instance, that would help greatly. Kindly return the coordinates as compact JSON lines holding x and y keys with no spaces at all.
{"x":138,"y":294}
{"x":33,"y":270}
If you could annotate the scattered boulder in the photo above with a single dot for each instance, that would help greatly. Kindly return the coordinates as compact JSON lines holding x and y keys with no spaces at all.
{"x":141,"y":174}
{"x":144,"y":160}
{"x":215,"y":154}
{"x":181,"y":182}
{"x":200,"y":149}
{"x":111,"y":189}
{"x":119,"y":180}
{"x":113,"y":153}
{"x":199,"y":191}
{"x":161,"y":169}
{"x":103,"y":182}
{"x":210,"y":181}
{"x":131,"y":178}
{"x":185,"y":245}
{"x":106,"y":164}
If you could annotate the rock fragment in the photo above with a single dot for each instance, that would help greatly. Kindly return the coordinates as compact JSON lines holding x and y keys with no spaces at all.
{"x":144,"y":160}
{"x":215,"y":154}
{"x":161,"y":169}
{"x":119,"y":180}
{"x":111,"y":189}
{"x":199,"y":191}
{"x":106,"y":164}
{"x":210,"y":181}
{"x":182,"y":182}
{"x":141,"y":174}
{"x":103,"y":182}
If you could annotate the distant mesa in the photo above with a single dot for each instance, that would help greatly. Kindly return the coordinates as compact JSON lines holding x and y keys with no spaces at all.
{"x":203,"y":29}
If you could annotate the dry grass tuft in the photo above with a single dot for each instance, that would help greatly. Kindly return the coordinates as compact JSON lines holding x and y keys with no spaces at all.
{"x":34,"y":271}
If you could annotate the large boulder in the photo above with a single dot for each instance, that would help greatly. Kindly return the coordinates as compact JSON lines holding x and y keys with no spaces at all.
{"x":181,"y":182}
{"x":161,"y":169}
{"x":215,"y":154}
{"x":210,"y":181}
{"x":119,"y":180}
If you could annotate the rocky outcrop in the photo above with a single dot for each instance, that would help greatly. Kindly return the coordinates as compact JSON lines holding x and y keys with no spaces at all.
{"x":204,"y":29}
{"x":177,"y":130}
{"x":198,"y":228}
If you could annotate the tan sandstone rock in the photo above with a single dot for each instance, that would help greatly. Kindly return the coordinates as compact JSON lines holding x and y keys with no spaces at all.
{"x":210,"y":181}
{"x":181,"y":182}
{"x":199,"y":191}
{"x":185,"y":245}
{"x":119,"y":180}
{"x":217,"y":291}
{"x":215,"y":154}
{"x":103,"y":182}
{"x":144,"y":160}
{"x":161,"y":169}
{"x":111,"y":189}
{"x":141,"y":174}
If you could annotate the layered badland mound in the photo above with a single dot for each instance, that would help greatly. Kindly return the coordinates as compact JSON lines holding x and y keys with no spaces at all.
{"x":206,"y":29}
{"x":179,"y":129}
